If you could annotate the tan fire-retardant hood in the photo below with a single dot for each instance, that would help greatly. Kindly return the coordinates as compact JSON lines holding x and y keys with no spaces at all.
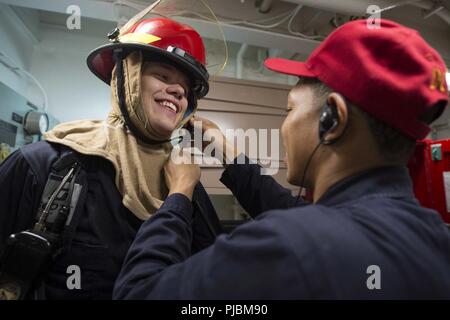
{"x":139,"y":167}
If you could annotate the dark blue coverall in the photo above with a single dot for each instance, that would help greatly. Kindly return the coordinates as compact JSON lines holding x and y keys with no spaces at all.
{"x":104,"y":228}
{"x":367,"y":237}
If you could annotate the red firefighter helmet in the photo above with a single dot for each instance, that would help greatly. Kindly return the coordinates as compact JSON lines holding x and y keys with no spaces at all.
{"x":160,"y":38}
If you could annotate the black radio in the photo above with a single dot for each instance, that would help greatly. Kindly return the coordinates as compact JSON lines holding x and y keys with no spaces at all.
{"x":25,"y":259}
{"x":28,"y":254}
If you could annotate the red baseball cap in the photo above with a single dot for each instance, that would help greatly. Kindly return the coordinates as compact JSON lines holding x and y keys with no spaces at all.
{"x":390,"y":72}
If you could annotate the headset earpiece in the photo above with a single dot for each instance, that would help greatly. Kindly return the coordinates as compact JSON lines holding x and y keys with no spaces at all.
{"x":329,"y":120}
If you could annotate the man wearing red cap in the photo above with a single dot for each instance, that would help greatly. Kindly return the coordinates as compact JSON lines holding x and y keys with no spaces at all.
{"x":363,"y":98}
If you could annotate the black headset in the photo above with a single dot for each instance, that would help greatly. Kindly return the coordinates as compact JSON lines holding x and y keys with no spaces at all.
{"x":329,"y":120}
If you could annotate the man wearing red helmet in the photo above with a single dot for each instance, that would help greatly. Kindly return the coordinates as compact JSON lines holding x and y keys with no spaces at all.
{"x":363,"y":97}
{"x":112,"y":169}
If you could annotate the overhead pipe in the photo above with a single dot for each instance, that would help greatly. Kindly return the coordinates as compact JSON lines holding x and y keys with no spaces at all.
{"x":349,"y":7}
{"x":359,"y":7}
{"x":429,"y":7}
{"x":265,"y":6}
{"x":240,"y":60}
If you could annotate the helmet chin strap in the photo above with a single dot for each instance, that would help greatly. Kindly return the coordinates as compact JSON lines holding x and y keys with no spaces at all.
{"x":118,"y":58}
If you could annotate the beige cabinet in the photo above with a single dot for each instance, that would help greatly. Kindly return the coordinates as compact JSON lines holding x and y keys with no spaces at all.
{"x":243,"y":104}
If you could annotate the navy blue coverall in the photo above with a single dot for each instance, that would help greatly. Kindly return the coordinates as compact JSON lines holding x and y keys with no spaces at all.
{"x":366,"y":228}
{"x":104,"y":227}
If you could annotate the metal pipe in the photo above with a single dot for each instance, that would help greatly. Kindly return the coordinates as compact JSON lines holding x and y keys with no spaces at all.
{"x":240,"y":60}
{"x":359,"y":7}
{"x":349,"y":7}
{"x":428,"y":6}
{"x":265,"y":6}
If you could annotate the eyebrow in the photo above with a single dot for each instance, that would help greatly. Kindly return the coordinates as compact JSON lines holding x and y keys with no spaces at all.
{"x":172,"y":68}
{"x":166,"y":66}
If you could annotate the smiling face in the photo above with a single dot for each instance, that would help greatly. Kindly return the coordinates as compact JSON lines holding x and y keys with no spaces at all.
{"x":164,"y":97}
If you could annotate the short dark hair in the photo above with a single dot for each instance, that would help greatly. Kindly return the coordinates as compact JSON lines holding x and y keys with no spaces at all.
{"x":393,"y":145}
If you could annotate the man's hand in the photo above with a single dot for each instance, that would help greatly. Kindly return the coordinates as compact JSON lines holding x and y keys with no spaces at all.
{"x":181,"y":174}
{"x":212,"y":135}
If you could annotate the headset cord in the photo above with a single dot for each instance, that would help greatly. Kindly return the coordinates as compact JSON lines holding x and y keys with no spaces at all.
{"x":321,"y":142}
{"x":306,"y":169}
